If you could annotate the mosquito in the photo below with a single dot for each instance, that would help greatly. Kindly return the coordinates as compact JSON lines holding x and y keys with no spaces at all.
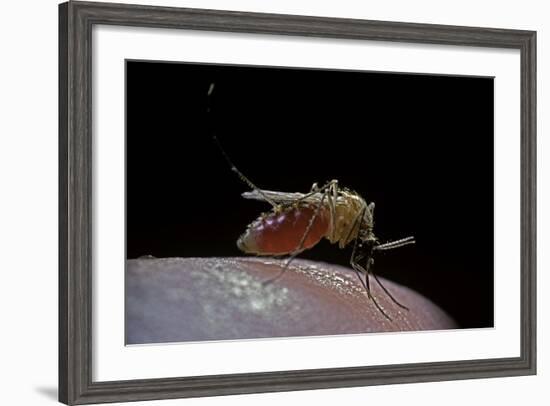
{"x":298,"y":221}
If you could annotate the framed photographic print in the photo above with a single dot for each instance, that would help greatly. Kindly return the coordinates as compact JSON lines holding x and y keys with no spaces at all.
{"x":250,"y":202}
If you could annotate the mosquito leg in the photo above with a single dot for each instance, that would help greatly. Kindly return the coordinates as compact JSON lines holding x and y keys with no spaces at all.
{"x":386,"y":291}
{"x":366,"y":285}
{"x":388,"y":246}
{"x":332,"y":186}
{"x":332,"y":200}
{"x":302,"y":241}
{"x":354,"y":262}
{"x":365,"y":282}
{"x":314,"y":190}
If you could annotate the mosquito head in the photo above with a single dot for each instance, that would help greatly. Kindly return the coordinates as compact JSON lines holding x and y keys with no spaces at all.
{"x":366,"y":247}
{"x":366,"y":235}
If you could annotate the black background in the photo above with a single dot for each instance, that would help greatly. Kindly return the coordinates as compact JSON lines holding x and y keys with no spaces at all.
{"x":419,"y":146}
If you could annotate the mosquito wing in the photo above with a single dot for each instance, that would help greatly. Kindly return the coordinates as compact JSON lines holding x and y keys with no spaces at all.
{"x":282,"y":197}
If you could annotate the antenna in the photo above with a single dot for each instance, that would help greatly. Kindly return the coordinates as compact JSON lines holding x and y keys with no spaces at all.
{"x":241,"y":176}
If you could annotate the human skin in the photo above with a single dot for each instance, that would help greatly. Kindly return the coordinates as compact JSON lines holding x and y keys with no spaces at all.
{"x":198,"y":299}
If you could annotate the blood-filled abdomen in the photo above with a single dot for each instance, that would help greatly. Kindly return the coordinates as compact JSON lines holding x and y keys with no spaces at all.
{"x":281,"y":233}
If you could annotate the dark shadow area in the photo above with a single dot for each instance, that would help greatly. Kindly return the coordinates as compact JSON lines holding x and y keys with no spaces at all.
{"x":49,"y":392}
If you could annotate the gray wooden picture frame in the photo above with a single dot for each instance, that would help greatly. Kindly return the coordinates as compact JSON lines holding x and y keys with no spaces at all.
{"x":76,"y":20}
